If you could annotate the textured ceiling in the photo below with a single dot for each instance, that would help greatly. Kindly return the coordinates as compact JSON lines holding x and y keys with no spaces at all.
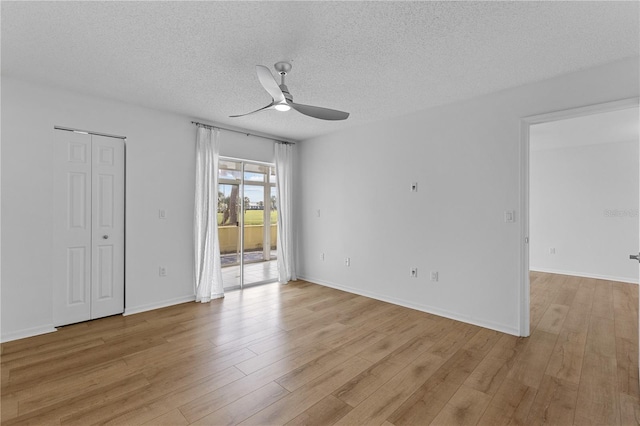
{"x":374,"y":59}
{"x":608,"y":127}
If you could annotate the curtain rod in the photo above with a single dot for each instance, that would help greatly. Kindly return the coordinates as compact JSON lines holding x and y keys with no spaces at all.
{"x":209,"y":126}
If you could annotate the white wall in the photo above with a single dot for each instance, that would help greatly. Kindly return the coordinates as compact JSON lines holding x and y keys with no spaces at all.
{"x":584,"y":204}
{"x":159,"y":174}
{"x":466,"y":160}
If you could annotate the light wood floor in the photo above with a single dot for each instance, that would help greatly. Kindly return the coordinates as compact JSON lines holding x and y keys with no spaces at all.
{"x":306,"y":354}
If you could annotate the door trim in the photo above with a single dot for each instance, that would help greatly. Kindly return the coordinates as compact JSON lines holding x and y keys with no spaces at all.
{"x":525,"y":125}
{"x":267,"y":223}
{"x":88,"y":132}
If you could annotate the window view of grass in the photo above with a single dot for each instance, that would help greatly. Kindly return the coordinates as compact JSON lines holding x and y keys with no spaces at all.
{"x":252,"y":217}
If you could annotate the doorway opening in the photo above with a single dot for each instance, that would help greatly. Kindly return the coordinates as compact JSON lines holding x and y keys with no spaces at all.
{"x":247,"y":222}
{"x":567,"y":228}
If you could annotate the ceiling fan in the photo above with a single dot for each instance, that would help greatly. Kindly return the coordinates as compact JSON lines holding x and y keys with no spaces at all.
{"x":282,"y":99}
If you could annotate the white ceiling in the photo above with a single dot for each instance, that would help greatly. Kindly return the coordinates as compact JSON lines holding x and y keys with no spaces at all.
{"x":374,"y":59}
{"x":608,"y":127}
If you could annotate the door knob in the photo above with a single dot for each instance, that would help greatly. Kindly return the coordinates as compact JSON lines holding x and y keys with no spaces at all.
{"x":105,"y":237}
{"x":635,"y":256}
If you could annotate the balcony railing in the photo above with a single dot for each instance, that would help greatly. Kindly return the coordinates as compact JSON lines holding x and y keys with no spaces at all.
{"x":253,"y":238}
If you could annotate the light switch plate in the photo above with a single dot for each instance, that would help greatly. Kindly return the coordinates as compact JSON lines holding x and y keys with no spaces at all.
{"x":509,"y":216}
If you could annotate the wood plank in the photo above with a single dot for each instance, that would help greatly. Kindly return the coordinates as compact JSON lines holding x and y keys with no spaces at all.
{"x":425,"y":403}
{"x":566,"y":359}
{"x":46,"y":352}
{"x":58,"y":412}
{"x":151,"y":404}
{"x":508,"y":348}
{"x":172,"y":418}
{"x":297,"y":402}
{"x":392,"y":341}
{"x":209,"y":402}
{"x":601,"y":337}
{"x":314,"y":333}
{"x":456,"y":338}
{"x":555,"y":402}
{"x":510,"y":405}
{"x":625,"y":298}
{"x":629,"y":410}
{"x":83,"y":360}
{"x":246,"y":406}
{"x":73,"y":334}
{"x":362,"y":386}
{"x":584,"y":294}
{"x":194,"y":367}
{"x":325,"y":412}
{"x":465,"y":407}
{"x":8,"y":407}
{"x":577,"y":318}
{"x":331,"y":300}
{"x":265,"y":359}
{"x":383,"y":402}
{"x":313,"y":369}
{"x":354,"y":340}
{"x":488,"y":375}
{"x":625,"y":311}
{"x":598,"y":398}
{"x":163,"y":381}
{"x":627,"y":367}
{"x":553,"y":318}
{"x":72,"y":386}
{"x":603,"y":300}
{"x":531,"y":364}
{"x":567,"y":291}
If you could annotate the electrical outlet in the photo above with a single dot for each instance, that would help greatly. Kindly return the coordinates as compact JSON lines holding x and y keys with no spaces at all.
{"x":434,"y":275}
{"x":413,"y":272}
{"x":347,"y":261}
{"x":552,"y":250}
{"x":322,"y":256}
{"x":162,"y":214}
{"x":414,"y":187}
{"x":162,"y":271}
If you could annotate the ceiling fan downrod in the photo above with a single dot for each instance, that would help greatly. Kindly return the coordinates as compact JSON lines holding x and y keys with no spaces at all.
{"x":283,"y":68}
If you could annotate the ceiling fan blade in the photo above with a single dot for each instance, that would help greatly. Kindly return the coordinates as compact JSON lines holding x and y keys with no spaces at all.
{"x":319,"y":112}
{"x":269,"y":83}
{"x":261,"y":109}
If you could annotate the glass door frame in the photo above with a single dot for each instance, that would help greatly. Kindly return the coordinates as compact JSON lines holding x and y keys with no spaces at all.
{"x":267,"y":185}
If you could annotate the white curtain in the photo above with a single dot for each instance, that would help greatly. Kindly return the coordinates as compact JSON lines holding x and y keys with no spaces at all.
{"x":208,"y":268}
{"x":284,"y":182}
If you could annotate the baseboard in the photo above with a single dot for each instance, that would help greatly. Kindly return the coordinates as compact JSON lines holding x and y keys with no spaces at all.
{"x":49,"y":328}
{"x":418,"y":307}
{"x":158,"y":305}
{"x":585,"y":275}
{"x":27,"y":332}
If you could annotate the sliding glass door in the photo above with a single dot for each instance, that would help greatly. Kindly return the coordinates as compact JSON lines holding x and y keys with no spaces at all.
{"x":247,"y":221}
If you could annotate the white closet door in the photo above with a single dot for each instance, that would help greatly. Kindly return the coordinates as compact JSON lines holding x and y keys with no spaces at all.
{"x":71,"y":228}
{"x":88,"y":222}
{"x":107,"y":281}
